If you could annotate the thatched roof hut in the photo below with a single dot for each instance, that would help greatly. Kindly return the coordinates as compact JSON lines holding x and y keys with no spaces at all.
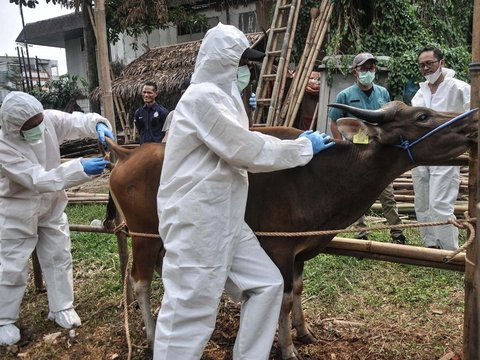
{"x":168,"y":66}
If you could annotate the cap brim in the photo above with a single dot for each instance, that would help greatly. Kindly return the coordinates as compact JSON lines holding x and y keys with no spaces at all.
{"x":252,"y":54}
{"x":364,"y":61}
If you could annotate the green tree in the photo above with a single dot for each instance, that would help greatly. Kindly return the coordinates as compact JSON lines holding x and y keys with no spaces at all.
{"x":60,"y":92}
{"x":398,"y":29}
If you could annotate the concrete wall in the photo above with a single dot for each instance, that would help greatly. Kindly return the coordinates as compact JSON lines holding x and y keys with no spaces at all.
{"x":76,"y":58}
{"x":243,"y":17}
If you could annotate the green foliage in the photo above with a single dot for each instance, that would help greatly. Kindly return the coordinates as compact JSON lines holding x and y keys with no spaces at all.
{"x":125,"y":17}
{"x":60,"y":92}
{"x":397,"y":29}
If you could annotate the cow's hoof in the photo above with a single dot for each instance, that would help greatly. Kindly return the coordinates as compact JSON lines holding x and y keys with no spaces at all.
{"x":307,"y":339}
{"x":294,"y":356}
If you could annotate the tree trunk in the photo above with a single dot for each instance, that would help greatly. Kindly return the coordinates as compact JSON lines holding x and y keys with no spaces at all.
{"x":90,"y":48}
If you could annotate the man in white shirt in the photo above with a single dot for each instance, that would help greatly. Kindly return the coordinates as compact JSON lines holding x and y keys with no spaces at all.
{"x":436,"y":187}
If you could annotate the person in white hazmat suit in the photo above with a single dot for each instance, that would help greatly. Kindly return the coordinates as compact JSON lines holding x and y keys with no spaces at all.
{"x":201,"y":206}
{"x":436,"y":187}
{"x":33,"y":200}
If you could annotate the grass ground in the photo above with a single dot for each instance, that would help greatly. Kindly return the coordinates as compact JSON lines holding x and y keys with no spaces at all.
{"x":358,"y":309}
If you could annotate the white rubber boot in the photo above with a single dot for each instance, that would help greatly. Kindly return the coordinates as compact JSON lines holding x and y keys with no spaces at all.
{"x":9,"y":334}
{"x":65,"y":318}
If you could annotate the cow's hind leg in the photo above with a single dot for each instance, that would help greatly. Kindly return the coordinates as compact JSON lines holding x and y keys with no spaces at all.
{"x":144,"y":261}
{"x":304,"y":333}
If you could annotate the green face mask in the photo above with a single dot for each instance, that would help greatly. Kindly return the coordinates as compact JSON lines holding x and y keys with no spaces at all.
{"x":34,"y":135}
{"x":366,"y":77}
{"x":243,"y":77}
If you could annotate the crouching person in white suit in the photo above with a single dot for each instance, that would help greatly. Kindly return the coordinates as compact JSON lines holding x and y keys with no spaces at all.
{"x":33,"y":200}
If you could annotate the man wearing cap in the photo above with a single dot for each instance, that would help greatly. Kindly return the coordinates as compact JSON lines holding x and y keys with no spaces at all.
{"x":365,"y":94}
{"x":33,"y":200}
{"x":201,"y":207}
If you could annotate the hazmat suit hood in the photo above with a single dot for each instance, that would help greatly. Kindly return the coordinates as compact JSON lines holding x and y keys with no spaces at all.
{"x":219,"y":55}
{"x":16,"y":109}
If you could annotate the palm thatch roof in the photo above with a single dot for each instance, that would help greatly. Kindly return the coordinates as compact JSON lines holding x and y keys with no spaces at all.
{"x":167,"y":66}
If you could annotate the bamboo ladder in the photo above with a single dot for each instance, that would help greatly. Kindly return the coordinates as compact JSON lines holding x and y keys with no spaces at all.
{"x":278,"y":50}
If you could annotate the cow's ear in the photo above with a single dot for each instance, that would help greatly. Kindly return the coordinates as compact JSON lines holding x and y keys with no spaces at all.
{"x":349,"y":127}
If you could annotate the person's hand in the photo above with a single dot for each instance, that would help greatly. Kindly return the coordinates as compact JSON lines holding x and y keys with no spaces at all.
{"x":103,"y":131}
{"x":94,"y":166}
{"x":319,"y":141}
{"x":252,"y":101}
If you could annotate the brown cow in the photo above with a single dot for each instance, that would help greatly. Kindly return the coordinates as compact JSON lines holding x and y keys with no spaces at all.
{"x":330,"y":192}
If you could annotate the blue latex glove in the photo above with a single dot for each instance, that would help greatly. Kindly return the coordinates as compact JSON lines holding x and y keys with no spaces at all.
{"x":252,"y":101}
{"x":319,"y":141}
{"x":103,"y":131}
{"x":94,"y":166}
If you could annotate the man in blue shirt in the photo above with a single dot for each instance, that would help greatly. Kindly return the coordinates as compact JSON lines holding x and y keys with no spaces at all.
{"x":150,"y":118}
{"x":365,"y":94}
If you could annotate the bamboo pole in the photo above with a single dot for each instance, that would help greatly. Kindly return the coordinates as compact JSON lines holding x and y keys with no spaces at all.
{"x":405,"y":208}
{"x":302,"y":68}
{"x":314,"y":117}
{"x":471,"y":325}
{"x":314,"y":16}
{"x":310,"y":62}
{"x":319,"y":42}
{"x":404,"y":254}
{"x":280,"y":115}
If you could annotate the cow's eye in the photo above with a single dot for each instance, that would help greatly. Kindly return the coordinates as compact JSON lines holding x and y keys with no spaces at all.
{"x":422,"y":117}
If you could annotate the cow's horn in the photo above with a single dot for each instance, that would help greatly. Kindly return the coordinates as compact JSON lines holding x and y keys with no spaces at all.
{"x":371,"y":116}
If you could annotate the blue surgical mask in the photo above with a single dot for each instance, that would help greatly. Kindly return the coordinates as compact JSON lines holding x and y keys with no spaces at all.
{"x":34,"y":135}
{"x":366,"y":77}
{"x":243,"y":77}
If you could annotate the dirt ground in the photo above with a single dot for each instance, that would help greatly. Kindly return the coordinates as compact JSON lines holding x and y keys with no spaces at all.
{"x":102,"y":335}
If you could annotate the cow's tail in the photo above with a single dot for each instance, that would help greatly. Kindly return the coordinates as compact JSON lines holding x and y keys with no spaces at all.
{"x":120,"y":153}
{"x":109,"y":221}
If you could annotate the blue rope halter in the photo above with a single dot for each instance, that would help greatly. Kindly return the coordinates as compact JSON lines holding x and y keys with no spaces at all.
{"x":407,"y":145}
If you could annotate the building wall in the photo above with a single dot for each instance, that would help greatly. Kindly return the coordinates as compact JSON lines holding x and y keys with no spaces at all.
{"x":243,"y":17}
{"x":11,"y":74}
{"x":76,"y":57}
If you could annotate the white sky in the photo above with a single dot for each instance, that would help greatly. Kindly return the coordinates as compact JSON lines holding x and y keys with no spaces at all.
{"x":11,"y":26}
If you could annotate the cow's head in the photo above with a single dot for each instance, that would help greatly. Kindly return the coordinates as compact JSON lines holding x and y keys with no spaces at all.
{"x":397,"y":124}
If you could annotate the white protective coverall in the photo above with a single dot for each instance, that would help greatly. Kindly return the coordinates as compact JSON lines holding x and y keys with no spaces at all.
{"x":436,"y":187}
{"x":32,"y":203}
{"x":201,"y":207}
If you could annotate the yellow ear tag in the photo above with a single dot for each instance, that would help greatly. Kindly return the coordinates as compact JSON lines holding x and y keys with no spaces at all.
{"x":360,"y":137}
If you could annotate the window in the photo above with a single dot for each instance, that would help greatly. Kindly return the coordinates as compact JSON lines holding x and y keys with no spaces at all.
{"x":188,"y":32}
{"x":247,"y":22}
{"x":190,"y":29}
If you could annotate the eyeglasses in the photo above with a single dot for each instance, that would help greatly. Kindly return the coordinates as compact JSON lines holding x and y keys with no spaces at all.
{"x":427,"y":64}
{"x":364,"y":68}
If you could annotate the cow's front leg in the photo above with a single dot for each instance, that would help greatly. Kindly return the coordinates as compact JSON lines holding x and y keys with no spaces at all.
{"x":285,"y":342}
{"x":304,"y":334}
